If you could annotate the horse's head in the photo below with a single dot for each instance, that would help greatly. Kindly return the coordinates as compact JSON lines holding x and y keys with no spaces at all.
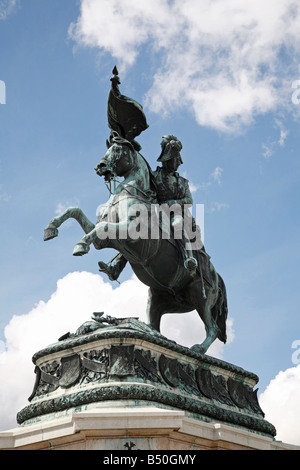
{"x":122,"y":159}
{"x":119,"y":160}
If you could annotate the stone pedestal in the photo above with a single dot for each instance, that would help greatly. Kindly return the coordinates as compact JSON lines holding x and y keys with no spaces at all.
{"x":121,"y":426}
{"x":117,"y":384}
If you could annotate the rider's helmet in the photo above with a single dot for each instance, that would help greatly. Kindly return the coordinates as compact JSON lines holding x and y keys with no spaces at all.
{"x":170,"y":149}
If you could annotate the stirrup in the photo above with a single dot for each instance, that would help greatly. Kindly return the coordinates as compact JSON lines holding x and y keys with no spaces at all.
{"x":191,"y":264}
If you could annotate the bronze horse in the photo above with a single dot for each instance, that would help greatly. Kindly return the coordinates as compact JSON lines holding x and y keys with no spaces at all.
{"x":158,"y":263}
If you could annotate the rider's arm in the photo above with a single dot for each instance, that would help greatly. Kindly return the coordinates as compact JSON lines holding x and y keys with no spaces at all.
{"x":187,"y":199}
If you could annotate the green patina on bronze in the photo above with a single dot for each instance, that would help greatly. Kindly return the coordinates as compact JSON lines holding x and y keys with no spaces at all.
{"x":177,"y":269}
{"x":123,"y":360}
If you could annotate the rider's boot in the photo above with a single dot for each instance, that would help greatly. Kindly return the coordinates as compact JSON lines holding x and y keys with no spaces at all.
{"x":113,"y":271}
{"x":190,"y":262}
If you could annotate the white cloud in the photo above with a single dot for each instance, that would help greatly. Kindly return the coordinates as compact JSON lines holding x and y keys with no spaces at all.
{"x":218,"y":206}
{"x":281,"y":404}
{"x":62,"y":206}
{"x":6,"y":8}
{"x":216,"y":174}
{"x":120,"y":28}
{"x":268,"y":150}
{"x":270,"y":147}
{"x":223,"y":60}
{"x":283,"y":132}
{"x":77,"y":296}
{"x":214,"y":177}
{"x":193,"y":187}
{"x":283,"y":136}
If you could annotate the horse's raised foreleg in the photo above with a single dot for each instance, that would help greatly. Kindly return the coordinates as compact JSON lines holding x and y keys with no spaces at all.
{"x":102,"y":235}
{"x":51,"y":231}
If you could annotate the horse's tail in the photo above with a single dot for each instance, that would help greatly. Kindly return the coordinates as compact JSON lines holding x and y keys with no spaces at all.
{"x":221,"y":309}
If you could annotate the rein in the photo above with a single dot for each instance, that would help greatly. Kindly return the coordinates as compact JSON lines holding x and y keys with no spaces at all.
{"x":146,"y":200}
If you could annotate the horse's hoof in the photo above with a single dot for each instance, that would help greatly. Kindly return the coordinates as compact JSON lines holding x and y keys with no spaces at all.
{"x":81,"y":249}
{"x":198,"y":348}
{"x":50,"y":232}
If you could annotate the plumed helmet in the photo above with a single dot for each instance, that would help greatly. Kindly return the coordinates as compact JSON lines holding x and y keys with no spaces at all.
{"x":170,"y":148}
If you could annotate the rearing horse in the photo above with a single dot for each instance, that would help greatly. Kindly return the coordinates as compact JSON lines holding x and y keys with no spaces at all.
{"x":158,"y":263}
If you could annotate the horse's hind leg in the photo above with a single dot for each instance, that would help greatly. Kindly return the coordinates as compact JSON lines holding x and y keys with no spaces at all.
{"x":211,"y":332}
{"x":51,"y":231}
{"x":159,"y":303}
{"x":211,"y":329}
{"x":156,"y":307}
{"x":214,"y":314}
{"x":205,"y":309}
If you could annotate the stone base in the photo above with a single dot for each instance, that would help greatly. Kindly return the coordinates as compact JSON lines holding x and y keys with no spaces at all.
{"x":118,"y":379}
{"x":119,"y":428}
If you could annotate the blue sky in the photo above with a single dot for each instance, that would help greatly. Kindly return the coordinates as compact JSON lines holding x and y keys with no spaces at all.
{"x":217,"y":75}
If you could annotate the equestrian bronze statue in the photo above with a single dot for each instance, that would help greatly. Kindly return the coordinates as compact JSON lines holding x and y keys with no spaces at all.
{"x":147,"y":221}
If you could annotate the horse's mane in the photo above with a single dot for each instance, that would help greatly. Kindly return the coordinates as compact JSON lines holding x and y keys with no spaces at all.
{"x":151,"y":175}
{"x":115,"y":138}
